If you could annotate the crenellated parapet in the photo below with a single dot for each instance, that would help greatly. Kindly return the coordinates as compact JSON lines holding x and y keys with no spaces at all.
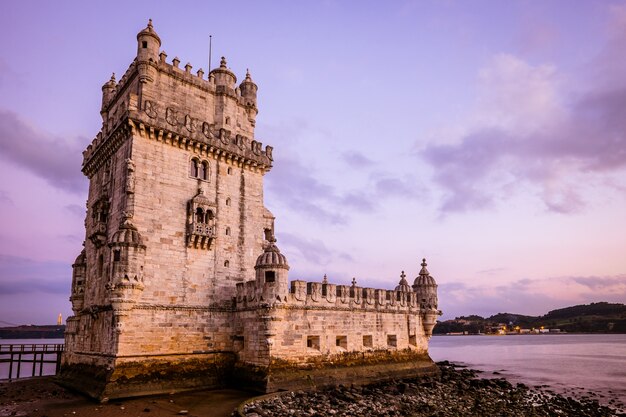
{"x":218,"y":118}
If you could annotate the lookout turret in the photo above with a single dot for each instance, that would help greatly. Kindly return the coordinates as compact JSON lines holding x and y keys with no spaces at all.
{"x":148,"y":44}
{"x":272,"y":273}
{"x":223,"y":75}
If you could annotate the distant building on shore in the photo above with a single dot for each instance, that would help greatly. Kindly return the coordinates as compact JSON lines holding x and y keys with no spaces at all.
{"x":181,"y":283}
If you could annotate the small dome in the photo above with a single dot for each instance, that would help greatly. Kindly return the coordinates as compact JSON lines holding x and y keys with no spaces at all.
{"x":202,"y":200}
{"x":424,"y":278}
{"x":223,"y":75}
{"x":404,"y":284}
{"x":149,"y":31}
{"x":127,"y":234}
{"x":271,"y":257}
{"x":80,"y":259}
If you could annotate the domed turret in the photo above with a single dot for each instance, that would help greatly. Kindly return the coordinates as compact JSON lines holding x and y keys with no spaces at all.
{"x":79,"y":274}
{"x":403,"y":285}
{"x":248,"y":90}
{"x":148,"y":44}
{"x":271,"y":257}
{"x":126,"y":235}
{"x":223,"y":75}
{"x":271,"y":273}
{"x":128,"y":253}
{"x":425,"y":289}
{"x":108,"y":92}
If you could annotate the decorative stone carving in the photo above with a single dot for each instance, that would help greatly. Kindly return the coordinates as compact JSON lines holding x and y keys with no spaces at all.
{"x":172,"y":116}
{"x":150,"y":108}
{"x":191,"y":124}
{"x":207,"y":129}
{"x":99,"y":218}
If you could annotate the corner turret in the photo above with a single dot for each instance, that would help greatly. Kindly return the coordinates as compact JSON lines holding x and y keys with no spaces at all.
{"x":248,"y":90}
{"x":224,"y":76}
{"x":148,"y":44}
{"x":272,"y":274}
{"x":425,"y":289}
{"x":108,"y":92}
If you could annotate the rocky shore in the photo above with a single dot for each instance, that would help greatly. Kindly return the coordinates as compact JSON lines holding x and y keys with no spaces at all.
{"x":456,"y":392}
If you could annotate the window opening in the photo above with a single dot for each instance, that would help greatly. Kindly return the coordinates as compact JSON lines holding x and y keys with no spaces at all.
{"x":270,"y":276}
{"x":368,"y":341}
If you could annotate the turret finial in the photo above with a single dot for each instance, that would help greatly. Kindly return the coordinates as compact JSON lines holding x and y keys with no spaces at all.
{"x":354,"y":281}
{"x":112,"y":77}
{"x":223,"y":62}
{"x":325,"y":280}
{"x":424,"y":262}
{"x":150,"y":23}
{"x":248,"y":77}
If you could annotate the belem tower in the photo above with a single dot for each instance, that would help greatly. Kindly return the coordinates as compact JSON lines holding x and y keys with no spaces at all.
{"x":181,"y":283}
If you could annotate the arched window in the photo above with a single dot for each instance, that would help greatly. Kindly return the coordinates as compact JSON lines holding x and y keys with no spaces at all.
{"x":227,"y":120}
{"x":228,"y":231}
{"x":208,"y":216}
{"x":193,"y":169}
{"x":199,"y":215}
{"x":226,"y":264}
{"x":228,"y":201}
{"x":230,"y":170}
{"x":202,"y":171}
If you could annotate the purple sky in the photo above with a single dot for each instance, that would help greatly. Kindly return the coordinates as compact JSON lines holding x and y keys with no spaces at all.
{"x":486,"y":136}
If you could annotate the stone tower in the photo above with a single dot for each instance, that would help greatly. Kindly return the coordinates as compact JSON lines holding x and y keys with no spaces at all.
{"x":175,"y":219}
{"x":181,"y":285}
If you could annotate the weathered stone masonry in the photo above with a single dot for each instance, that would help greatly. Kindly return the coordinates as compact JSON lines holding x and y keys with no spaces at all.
{"x":181,"y":285}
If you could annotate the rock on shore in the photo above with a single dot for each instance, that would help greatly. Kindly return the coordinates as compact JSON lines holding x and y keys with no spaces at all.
{"x":456,"y":392}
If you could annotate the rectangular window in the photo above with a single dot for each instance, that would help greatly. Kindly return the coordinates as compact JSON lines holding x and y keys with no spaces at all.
{"x":368,"y":341}
{"x":116,"y":256}
{"x":270,"y":276}
{"x":342,"y":342}
{"x":313,"y":342}
{"x":413,"y":340}
{"x":392,"y":340}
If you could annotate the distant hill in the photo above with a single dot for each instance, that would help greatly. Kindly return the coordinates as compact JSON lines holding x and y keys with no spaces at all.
{"x":599,"y":317}
{"x":32,"y":332}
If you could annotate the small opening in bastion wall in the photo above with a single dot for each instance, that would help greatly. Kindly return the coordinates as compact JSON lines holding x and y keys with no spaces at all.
{"x":229,"y":171}
{"x":342,"y":342}
{"x":313,"y":342}
{"x":270,"y":276}
{"x":412,"y":340}
{"x":368,"y":341}
{"x":392,"y":340}
{"x":228,"y":201}
{"x":226,"y":264}
{"x":228,"y":231}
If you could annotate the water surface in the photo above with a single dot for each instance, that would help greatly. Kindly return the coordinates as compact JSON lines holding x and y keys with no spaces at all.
{"x":568,"y":363}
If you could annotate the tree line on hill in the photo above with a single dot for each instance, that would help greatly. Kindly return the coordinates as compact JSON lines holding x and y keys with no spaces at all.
{"x":601,"y":317}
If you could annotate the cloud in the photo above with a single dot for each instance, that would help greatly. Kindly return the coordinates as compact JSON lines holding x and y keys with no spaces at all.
{"x":312,"y":250}
{"x":5,"y":199}
{"x":294,"y":185}
{"x":76,"y":210}
{"x":529,"y":296}
{"x":24,"y":276}
{"x":56,"y":161}
{"x":535,"y":126}
{"x":357,"y":160}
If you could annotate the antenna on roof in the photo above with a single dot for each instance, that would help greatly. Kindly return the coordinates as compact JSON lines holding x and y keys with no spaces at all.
{"x":210,"y":38}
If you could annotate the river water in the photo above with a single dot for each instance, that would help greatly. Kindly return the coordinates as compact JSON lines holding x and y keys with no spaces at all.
{"x":568,"y":363}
